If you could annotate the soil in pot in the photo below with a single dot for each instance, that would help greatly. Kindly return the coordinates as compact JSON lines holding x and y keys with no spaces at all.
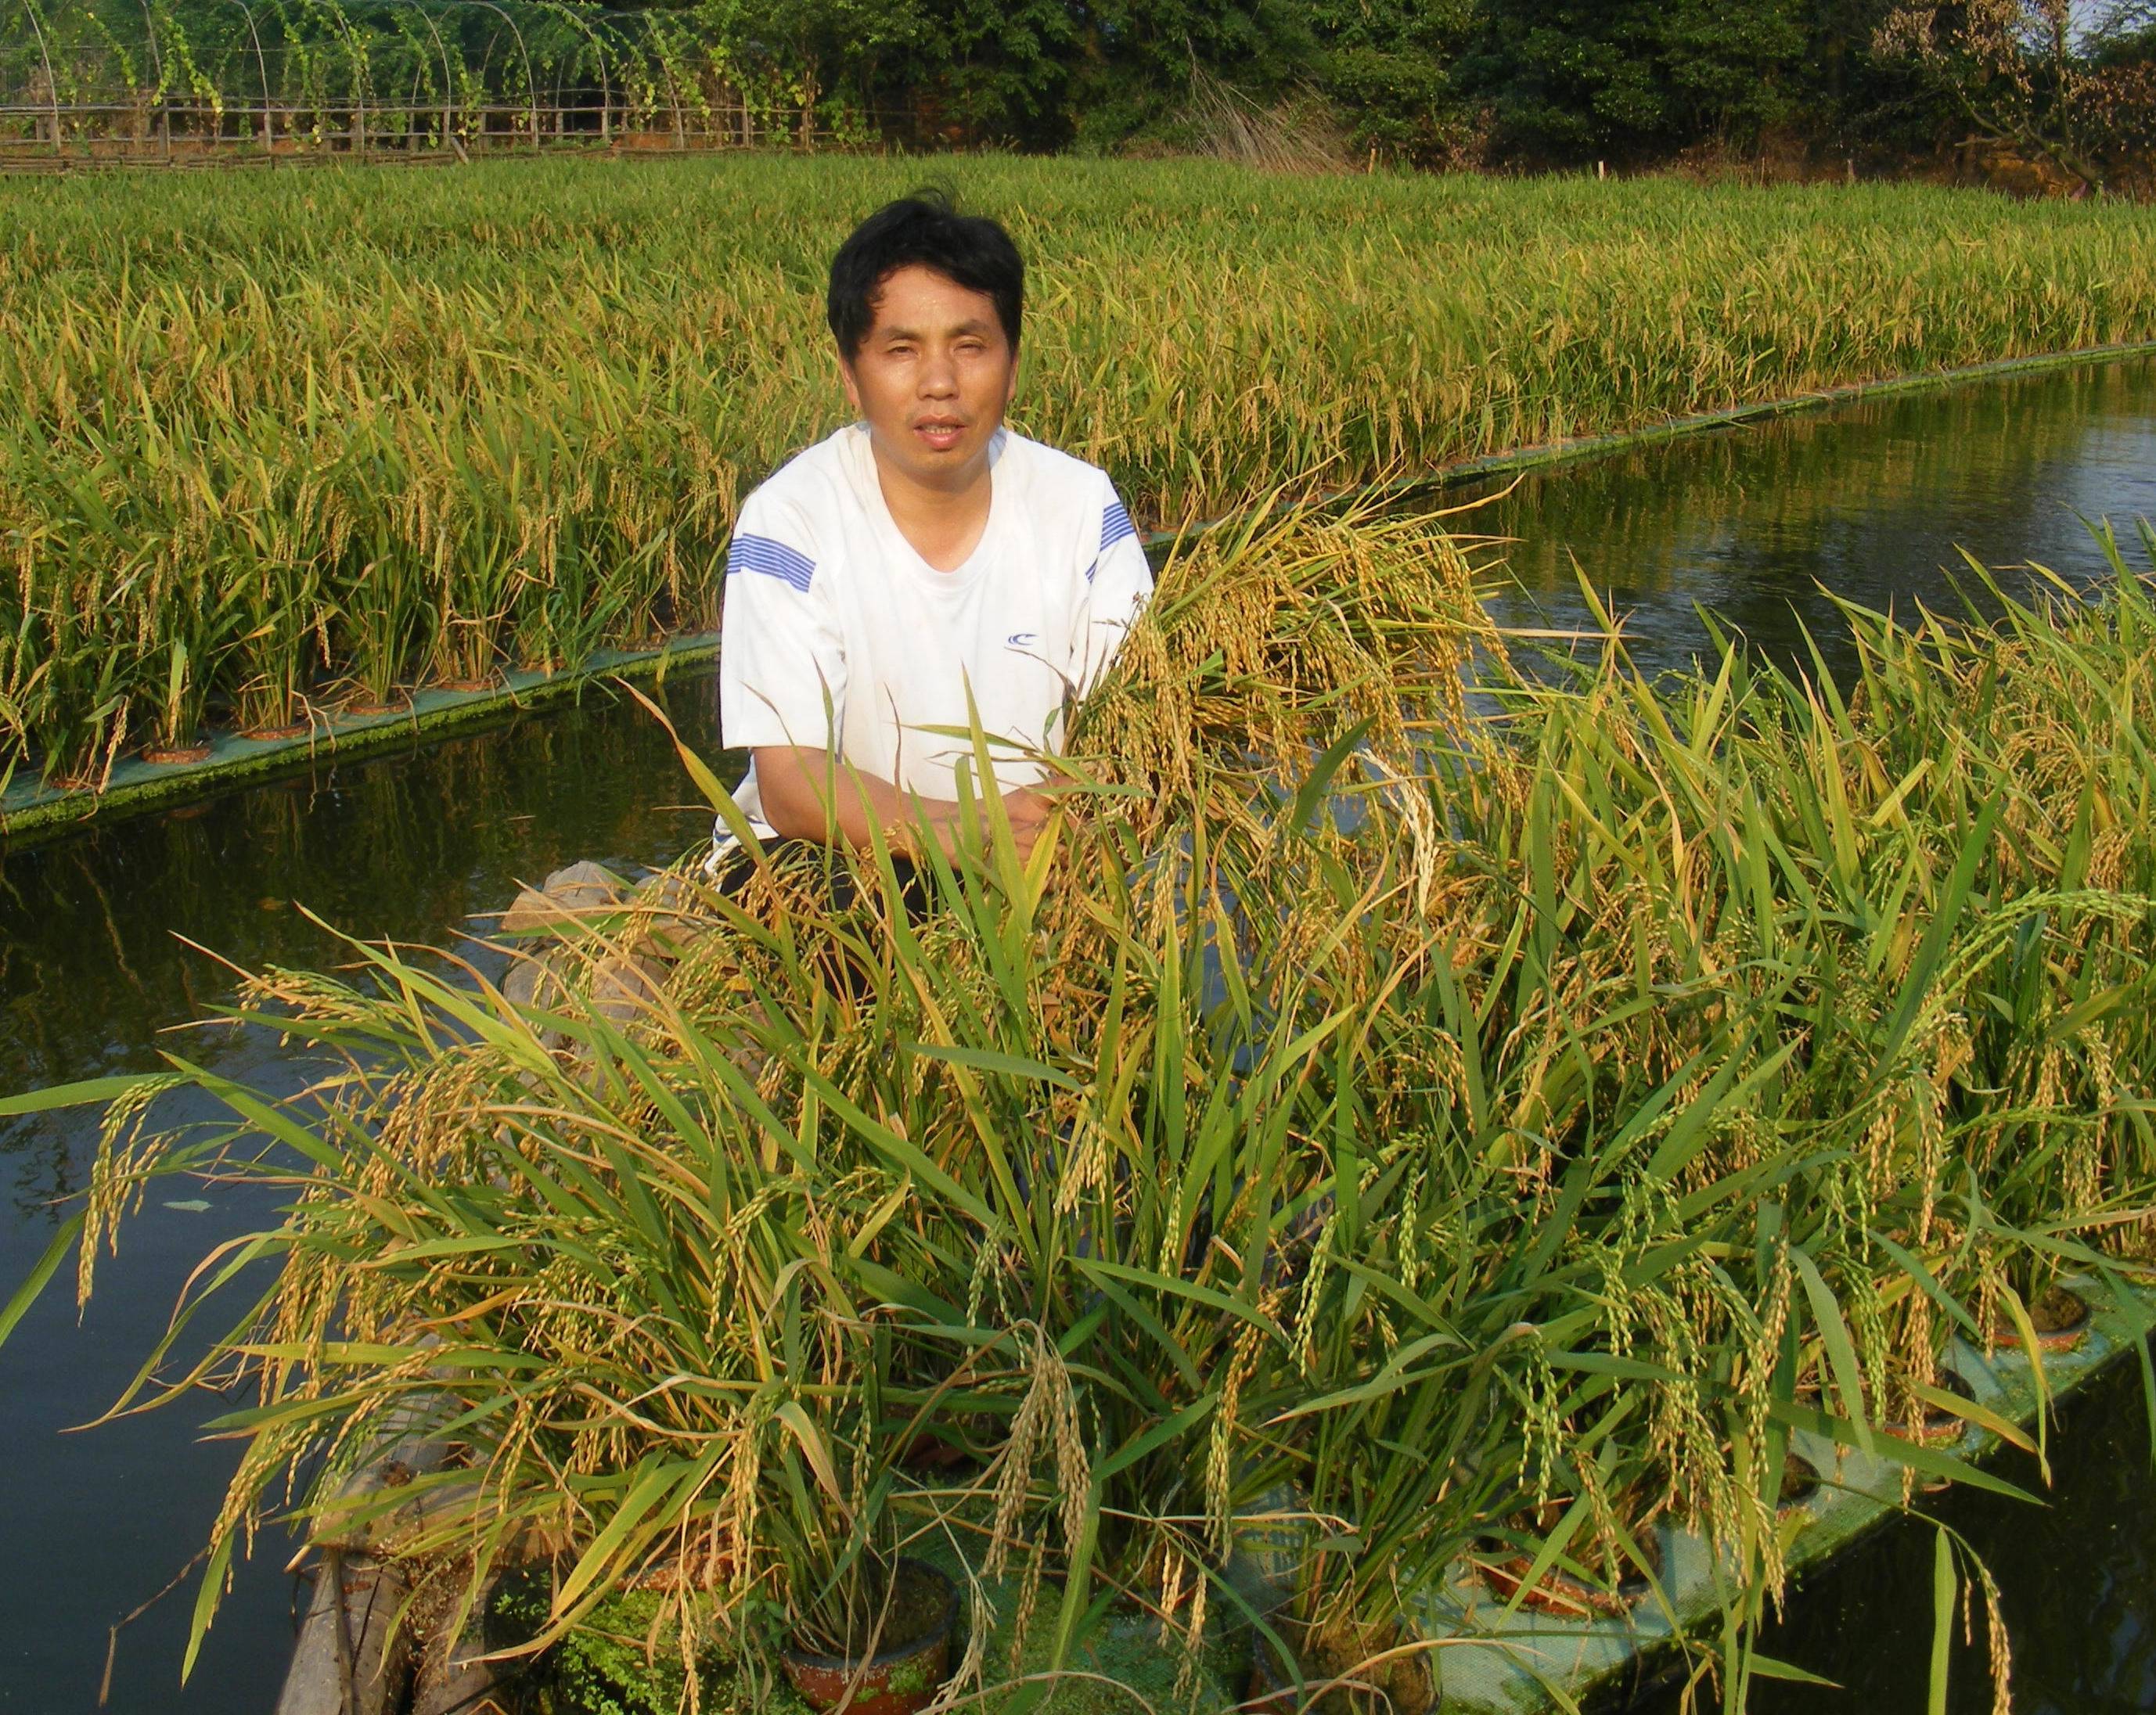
{"x":1938,"y":1424}
{"x":1502,"y":1567}
{"x":2059,"y":1317}
{"x":933,"y":1453}
{"x":1375,"y":1674}
{"x":1800,"y":1484}
{"x":913,"y":1658}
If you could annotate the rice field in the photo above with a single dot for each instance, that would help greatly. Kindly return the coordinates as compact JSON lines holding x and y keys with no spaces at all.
{"x":1494,"y":1135}
{"x":293,"y":440}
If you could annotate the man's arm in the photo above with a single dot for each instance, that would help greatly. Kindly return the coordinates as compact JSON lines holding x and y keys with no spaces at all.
{"x":807,"y":796}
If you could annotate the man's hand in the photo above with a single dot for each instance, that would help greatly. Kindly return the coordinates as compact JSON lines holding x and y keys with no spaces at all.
{"x":1024,"y":809}
{"x":806,"y":796}
{"x":1027,"y":810}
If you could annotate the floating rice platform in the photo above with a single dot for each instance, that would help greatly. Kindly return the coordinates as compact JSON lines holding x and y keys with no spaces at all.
{"x":1499,"y":1658}
{"x":31,"y":808}
{"x":1493,"y":1656}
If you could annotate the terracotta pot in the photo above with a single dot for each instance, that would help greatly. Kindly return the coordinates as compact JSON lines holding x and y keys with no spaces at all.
{"x":176,"y":755}
{"x":1405,"y":1684}
{"x":1800,"y":1484}
{"x":1560,"y":1593}
{"x":2061,"y":1320}
{"x":900,"y":1680}
{"x":1504,"y":1569}
{"x":1937,"y":1426}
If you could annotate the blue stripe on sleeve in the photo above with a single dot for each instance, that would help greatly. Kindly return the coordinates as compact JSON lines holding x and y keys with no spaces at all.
{"x":789,"y":566}
{"x":1115,"y":525}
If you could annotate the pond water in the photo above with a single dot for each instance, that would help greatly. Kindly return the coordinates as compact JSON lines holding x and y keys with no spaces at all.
{"x":94,"y":977}
{"x":96,"y":974}
{"x":1870,"y":501}
{"x":2077,"y":1580}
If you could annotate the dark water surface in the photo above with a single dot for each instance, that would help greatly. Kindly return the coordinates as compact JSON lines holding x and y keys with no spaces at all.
{"x":1871,"y":501}
{"x":2076,"y":1579}
{"x":94,"y":977}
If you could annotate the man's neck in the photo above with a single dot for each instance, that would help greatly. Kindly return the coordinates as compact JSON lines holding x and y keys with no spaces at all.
{"x":943,"y":522}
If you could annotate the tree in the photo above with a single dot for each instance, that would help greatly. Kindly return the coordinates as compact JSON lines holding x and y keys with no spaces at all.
{"x":1389,"y":65}
{"x":998,"y":71}
{"x":2038,"y":74}
{"x":1573,"y":79}
{"x":1136,"y":58}
{"x":810,"y":49}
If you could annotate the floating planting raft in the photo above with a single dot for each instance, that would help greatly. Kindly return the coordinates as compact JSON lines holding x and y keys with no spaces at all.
{"x":1503,"y":1656}
{"x":284,"y":438}
{"x":32,"y":807}
{"x":1646,"y":1075}
{"x":1554,"y":1648}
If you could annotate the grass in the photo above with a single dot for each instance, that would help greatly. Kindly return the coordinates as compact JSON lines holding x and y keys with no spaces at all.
{"x":293,"y":439}
{"x":1510,"y":1126}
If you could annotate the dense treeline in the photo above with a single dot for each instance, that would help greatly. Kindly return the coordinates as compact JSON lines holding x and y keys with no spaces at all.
{"x":1470,"y":82}
{"x":2067,"y":86}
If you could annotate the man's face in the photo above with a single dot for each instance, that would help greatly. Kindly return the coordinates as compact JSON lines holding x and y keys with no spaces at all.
{"x":932,"y":377}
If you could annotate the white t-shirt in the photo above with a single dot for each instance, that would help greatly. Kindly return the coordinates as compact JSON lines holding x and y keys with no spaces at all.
{"x":837,"y":635}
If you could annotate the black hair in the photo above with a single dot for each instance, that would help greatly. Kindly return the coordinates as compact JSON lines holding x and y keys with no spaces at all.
{"x":924,"y":230}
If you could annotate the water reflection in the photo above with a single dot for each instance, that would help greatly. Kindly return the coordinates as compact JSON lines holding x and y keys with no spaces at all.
{"x":2077,"y":1576}
{"x":92,"y":970}
{"x":94,"y":928}
{"x":1870,"y":502}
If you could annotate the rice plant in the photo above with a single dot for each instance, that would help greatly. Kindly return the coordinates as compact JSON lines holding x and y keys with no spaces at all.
{"x":338,"y":434}
{"x":1439,"y":1131}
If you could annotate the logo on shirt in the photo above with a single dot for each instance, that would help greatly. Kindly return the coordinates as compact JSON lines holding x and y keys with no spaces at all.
{"x":1022,"y":640}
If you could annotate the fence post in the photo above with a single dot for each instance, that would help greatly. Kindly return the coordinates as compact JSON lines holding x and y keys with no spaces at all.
{"x":52,"y":85}
{"x":158,"y":67}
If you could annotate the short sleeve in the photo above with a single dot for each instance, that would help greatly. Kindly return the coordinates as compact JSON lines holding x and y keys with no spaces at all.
{"x":782,"y":655}
{"x":1117,"y":586}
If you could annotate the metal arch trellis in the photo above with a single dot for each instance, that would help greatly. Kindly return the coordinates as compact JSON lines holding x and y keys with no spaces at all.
{"x":599,"y":51}
{"x":419,"y":70}
{"x":52,"y":83}
{"x":448,"y":77}
{"x":297,"y":77}
{"x":262,"y":63}
{"x":531,"y":84}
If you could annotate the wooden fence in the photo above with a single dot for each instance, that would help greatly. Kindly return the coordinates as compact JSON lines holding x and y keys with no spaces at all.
{"x":63,"y":136}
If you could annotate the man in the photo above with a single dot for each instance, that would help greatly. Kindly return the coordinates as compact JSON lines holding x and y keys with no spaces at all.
{"x":923,"y":572}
